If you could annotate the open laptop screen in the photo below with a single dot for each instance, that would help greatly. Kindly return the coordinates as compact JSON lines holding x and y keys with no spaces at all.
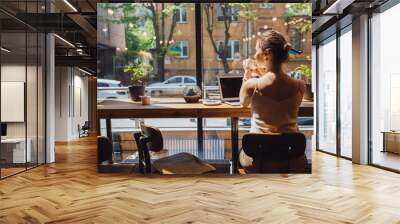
{"x":3,"y":129}
{"x":230,"y":87}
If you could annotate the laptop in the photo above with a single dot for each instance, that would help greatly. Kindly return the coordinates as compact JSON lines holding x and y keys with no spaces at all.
{"x":3,"y":131}
{"x":229,"y":88}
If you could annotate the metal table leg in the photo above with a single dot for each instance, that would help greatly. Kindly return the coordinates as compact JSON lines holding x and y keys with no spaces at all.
{"x":200,"y":138}
{"x":235,"y":143}
{"x":108,"y":129}
{"x":98,"y":127}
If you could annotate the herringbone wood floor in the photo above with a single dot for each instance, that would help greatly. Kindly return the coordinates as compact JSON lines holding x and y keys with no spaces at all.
{"x":70,"y":191}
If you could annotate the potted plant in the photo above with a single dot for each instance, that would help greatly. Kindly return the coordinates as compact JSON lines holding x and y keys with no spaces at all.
{"x":138,"y":73}
{"x":305,"y":72}
{"x":192,"y":94}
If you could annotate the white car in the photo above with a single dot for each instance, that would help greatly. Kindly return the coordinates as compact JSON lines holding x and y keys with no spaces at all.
{"x":171,"y":86}
{"x":111,"y":89}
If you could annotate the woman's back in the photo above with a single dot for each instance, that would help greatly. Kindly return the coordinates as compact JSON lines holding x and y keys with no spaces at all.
{"x":275,"y":104}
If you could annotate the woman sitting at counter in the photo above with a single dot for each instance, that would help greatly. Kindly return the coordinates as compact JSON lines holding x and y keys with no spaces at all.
{"x":274,"y":96}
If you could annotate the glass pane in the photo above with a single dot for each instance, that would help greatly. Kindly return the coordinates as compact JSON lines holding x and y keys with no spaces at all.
{"x":127,"y":36}
{"x":13,"y":86}
{"x":163,"y":51}
{"x":346,"y":94}
{"x":223,"y":54}
{"x":32,"y":98}
{"x":41,"y":98}
{"x":327,"y":96}
{"x":385,"y":84}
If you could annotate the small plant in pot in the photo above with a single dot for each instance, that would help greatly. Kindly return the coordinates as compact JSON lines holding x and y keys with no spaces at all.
{"x":138,"y":73}
{"x":306,"y":74}
{"x":192,"y":94}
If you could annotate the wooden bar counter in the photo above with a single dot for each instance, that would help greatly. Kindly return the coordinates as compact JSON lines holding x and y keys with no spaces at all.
{"x":177,"y":108}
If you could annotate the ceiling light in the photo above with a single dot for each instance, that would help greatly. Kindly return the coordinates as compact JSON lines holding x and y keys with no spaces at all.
{"x":5,"y":50}
{"x":70,"y":5}
{"x":64,"y":40}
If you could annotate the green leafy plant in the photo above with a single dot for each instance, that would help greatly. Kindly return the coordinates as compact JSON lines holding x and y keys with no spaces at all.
{"x":305,"y":71}
{"x":298,"y":15}
{"x":138,"y":71}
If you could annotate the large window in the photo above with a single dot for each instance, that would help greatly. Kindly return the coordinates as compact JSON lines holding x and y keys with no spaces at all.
{"x":327,"y":95}
{"x":170,"y":49}
{"x":346,"y":93}
{"x":385,"y":89}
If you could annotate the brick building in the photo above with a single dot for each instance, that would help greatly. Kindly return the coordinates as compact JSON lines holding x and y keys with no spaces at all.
{"x":243,"y":38}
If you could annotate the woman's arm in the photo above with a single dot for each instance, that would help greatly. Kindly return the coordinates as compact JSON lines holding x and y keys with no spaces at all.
{"x":247,"y":90}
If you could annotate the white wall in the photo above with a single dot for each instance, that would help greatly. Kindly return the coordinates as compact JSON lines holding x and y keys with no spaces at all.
{"x":71,"y":102}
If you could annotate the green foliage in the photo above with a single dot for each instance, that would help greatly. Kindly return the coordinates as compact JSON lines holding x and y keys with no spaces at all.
{"x":305,"y":71}
{"x":138,"y":71}
{"x":299,"y":15}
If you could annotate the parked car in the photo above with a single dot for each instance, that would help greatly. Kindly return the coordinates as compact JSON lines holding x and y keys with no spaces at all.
{"x":111,"y":89}
{"x":171,"y":86}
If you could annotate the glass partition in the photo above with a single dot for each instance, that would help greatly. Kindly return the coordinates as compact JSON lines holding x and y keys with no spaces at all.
{"x":385,"y":88}
{"x":14,"y":145}
{"x":22,"y":90}
{"x":346,"y":92}
{"x":327,"y":96}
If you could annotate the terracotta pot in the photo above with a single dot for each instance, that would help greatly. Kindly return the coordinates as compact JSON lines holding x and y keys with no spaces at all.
{"x":308,"y":94}
{"x":136,"y":91}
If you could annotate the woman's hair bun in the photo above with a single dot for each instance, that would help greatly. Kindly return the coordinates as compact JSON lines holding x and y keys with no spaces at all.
{"x":276,"y":43}
{"x":287,"y":47}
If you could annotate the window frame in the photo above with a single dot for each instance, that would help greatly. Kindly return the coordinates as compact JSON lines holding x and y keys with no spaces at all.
{"x":181,"y":49}
{"x":182,"y":10}
{"x":262,"y":5}
{"x":192,"y":81}
{"x":232,"y":50}
{"x":178,"y":77}
{"x":292,"y":30}
{"x":233,"y":15}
